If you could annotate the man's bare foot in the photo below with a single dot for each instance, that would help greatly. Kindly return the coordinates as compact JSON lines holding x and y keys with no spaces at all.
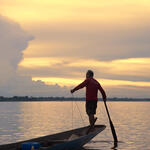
{"x":91,"y":128}
{"x":94,"y":121}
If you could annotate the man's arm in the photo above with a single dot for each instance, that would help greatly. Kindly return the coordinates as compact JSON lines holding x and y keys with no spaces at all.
{"x":80,"y":86}
{"x":102,"y":92}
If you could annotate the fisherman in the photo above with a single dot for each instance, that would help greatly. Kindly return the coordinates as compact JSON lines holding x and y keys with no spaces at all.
{"x":92,"y":87}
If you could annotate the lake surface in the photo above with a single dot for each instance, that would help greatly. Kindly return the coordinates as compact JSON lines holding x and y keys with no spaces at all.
{"x":24,"y":120}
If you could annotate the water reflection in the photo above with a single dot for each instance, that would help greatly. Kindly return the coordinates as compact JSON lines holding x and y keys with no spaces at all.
{"x":26,"y":120}
{"x":44,"y":118}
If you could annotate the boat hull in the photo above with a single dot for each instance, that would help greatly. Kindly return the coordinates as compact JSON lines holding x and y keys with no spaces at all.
{"x":61,"y":141}
{"x":77,"y":143}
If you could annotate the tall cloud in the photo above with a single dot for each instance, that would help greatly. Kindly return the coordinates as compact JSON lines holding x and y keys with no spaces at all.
{"x":13,"y":41}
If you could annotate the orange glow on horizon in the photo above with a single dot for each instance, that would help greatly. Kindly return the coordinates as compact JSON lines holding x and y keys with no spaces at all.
{"x":138,"y":66}
{"x":73,"y":82}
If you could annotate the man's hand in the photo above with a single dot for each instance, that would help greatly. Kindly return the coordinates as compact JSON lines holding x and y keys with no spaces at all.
{"x":72,"y":91}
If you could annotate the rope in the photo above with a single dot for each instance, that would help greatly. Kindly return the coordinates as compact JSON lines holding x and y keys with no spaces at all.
{"x":72,"y":114}
{"x":80,"y":114}
{"x":78,"y":111}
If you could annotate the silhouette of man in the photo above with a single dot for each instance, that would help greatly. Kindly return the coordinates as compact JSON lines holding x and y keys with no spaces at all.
{"x":92,"y":87}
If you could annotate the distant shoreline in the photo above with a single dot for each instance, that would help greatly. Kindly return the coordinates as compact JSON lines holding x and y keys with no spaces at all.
{"x":34,"y":99}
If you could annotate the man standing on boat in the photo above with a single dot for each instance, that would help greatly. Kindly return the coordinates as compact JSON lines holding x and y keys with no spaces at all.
{"x":92,"y":87}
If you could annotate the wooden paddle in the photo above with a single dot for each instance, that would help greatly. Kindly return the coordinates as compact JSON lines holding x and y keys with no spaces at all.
{"x":112,"y":127}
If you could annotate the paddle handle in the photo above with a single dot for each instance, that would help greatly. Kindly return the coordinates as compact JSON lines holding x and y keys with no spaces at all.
{"x":107,"y":111}
{"x":111,"y":124}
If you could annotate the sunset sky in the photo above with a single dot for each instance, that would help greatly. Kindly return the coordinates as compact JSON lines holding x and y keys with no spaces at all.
{"x":47,"y":46}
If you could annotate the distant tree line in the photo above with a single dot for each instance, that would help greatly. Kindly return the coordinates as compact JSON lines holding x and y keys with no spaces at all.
{"x":31,"y":98}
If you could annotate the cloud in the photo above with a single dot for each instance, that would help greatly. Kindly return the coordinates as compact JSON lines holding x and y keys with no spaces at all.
{"x":13,"y":41}
{"x":75,"y":36}
{"x":24,"y":86}
{"x":99,"y":41}
{"x":122,"y":78}
{"x":76,"y":68}
{"x":128,"y":91}
{"x":81,"y":45}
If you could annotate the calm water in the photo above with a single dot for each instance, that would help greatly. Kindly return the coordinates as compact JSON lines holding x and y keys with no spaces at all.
{"x":25,"y":120}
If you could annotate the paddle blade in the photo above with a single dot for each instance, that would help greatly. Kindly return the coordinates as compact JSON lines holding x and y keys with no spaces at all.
{"x":112,"y":128}
{"x":113,"y":131}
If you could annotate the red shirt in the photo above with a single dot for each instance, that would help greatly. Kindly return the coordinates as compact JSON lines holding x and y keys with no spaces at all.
{"x":92,"y":87}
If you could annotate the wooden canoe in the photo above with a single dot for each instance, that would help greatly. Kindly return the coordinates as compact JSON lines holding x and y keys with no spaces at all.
{"x":68,"y":140}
